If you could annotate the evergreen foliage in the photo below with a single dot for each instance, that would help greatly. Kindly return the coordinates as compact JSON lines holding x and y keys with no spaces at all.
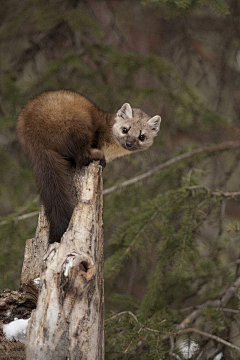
{"x":172,"y":239}
{"x":176,"y":7}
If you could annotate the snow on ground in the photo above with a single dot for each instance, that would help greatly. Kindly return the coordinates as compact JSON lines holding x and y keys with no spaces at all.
{"x":16,"y":329}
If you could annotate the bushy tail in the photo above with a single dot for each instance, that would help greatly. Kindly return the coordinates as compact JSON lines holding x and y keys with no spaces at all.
{"x":53,"y":180}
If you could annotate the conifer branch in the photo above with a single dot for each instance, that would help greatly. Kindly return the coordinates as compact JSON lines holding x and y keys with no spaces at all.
{"x":179,"y":332}
{"x":213,"y":193}
{"x":227,"y":194}
{"x":226,"y":145}
{"x":140,"y":232}
{"x":215,"y":303}
{"x":183,"y":251}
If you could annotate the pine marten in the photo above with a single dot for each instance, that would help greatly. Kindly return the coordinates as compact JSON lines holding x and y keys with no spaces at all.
{"x":59,"y":128}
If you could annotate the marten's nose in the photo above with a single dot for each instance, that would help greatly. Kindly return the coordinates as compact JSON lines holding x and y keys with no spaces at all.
{"x":129,"y":144}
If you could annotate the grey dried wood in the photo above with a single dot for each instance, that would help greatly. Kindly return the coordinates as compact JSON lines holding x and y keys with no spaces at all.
{"x":68,"y":320}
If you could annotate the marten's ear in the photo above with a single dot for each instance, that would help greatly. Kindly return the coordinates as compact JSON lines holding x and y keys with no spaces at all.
{"x":125,"y":111}
{"x":155,"y":122}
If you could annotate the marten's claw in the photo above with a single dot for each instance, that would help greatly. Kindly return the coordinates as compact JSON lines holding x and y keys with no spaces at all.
{"x":103,"y":162}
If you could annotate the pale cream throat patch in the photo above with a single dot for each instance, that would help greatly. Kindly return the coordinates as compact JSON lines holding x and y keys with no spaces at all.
{"x":113,"y":151}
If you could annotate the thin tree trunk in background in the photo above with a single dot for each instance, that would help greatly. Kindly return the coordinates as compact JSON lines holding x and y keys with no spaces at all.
{"x":68,"y":320}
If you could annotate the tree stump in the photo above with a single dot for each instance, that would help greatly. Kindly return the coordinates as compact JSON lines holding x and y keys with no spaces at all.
{"x":68,"y":320}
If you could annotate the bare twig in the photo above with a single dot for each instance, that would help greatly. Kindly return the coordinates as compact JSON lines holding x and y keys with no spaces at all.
{"x":214,"y":337}
{"x":22,"y":217}
{"x":21,"y":210}
{"x":195,"y":187}
{"x":132,"y":275}
{"x":214,"y":193}
{"x":135,"y":318}
{"x":233,"y":311}
{"x":175,"y":356}
{"x":233,"y":263}
{"x":120,"y":314}
{"x":172,"y":345}
{"x":230,"y":292}
{"x":126,"y":350}
{"x":228,"y":145}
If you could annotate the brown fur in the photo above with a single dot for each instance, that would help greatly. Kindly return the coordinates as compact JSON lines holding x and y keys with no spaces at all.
{"x":56,"y":129}
{"x":59,"y":128}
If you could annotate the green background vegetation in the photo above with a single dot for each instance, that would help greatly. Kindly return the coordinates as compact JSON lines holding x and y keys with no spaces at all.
{"x":171,"y":240}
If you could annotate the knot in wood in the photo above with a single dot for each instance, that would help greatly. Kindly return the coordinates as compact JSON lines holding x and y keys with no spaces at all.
{"x":77,"y":265}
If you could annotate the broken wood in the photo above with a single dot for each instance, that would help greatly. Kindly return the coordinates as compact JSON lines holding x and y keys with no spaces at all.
{"x":35,"y":250}
{"x":68,"y":320}
{"x":13,"y":304}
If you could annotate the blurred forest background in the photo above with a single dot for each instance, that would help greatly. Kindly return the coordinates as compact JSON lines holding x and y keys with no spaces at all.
{"x":172,"y":254}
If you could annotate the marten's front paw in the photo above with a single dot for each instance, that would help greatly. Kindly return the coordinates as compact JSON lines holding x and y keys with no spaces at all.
{"x":98,"y":155}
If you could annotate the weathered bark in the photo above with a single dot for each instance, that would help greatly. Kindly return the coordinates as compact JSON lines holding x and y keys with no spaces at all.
{"x":68,"y":320}
{"x":14,"y":304}
{"x":35,"y":251}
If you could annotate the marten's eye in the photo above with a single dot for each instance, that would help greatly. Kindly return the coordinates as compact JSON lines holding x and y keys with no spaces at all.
{"x":141,"y":137}
{"x":124,"y":130}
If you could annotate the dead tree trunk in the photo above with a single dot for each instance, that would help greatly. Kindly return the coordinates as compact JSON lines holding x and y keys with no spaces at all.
{"x":68,"y":320}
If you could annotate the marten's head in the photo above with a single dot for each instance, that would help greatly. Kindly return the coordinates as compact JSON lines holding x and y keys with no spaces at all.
{"x":133,"y":129}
